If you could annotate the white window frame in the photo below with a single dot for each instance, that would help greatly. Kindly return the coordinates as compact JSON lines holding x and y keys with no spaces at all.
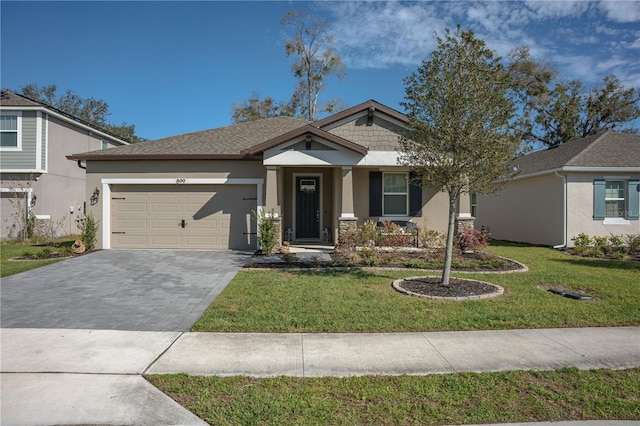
{"x":18,"y":147}
{"x":406,"y":195}
{"x":624,"y":199}
{"x":104,"y":144}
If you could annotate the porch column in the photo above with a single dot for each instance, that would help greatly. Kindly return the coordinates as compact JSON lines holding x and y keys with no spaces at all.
{"x":464,"y":219}
{"x":271,"y":202}
{"x":271,"y":191}
{"x":347,"y":218}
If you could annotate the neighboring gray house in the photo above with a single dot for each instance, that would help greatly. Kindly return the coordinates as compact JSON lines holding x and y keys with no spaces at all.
{"x":198,"y":190}
{"x":34,"y":142}
{"x":590,"y":186}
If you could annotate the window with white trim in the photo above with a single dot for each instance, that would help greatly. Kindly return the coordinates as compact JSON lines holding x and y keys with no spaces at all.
{"x":614,"y":198}
{"x":395,"y":194}
{"x":105,"y":144}
{"x":10,"y":134}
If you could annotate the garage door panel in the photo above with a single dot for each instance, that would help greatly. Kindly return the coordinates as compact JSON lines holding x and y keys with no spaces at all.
{"x":216,"y":216}
{"x":132,"y":207}
{"x":165,"y":207}
{"x":131,"y":223}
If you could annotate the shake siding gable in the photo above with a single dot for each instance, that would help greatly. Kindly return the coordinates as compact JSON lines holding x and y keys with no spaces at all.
{"x":381,"y":135}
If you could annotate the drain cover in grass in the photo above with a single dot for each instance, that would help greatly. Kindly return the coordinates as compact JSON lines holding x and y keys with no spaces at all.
{"x":570,"y":295}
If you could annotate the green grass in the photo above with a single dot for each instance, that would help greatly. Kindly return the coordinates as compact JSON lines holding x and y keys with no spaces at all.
{"x":515,"y":396}
{"x":12,"y":249}
{"x":363,"y":301}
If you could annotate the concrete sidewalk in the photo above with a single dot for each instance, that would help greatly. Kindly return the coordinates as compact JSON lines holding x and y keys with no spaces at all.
{"x":93,"y":376}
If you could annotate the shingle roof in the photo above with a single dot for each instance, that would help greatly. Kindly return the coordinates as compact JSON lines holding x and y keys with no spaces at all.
{"x":222,"y":142}
{"x":608,"y":149}
{"x":14,"y":100}
{"x":11,"y":99}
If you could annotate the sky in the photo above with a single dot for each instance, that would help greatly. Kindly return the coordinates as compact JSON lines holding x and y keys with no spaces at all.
{"x":177,"y":67}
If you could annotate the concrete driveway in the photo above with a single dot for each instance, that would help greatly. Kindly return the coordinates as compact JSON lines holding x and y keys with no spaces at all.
{"x":140,"y":290}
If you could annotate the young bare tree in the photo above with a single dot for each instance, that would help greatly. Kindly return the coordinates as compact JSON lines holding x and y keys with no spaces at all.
{"x":316,"y":61}
{"x":459,"y":111}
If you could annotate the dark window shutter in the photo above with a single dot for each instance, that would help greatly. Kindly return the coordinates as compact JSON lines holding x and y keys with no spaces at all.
{"x":415,"y":194}
{"x":633,"y":202}
{"x":375,"y":193}
{"x":598,"y":199}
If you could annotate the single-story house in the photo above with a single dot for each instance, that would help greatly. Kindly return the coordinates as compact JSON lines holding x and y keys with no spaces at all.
{"x":199,"y":190}
{"x":35,"y":175}
{"x":588,"y":185}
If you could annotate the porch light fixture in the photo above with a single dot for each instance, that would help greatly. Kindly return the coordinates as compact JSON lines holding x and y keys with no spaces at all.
{"x":95,"y":196}
{"x":32,"y":203}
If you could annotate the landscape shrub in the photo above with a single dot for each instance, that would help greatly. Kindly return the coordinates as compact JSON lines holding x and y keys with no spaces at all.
{"x":392,"y":235}
{"x":430,"y":238}
{"x":613,"y":246}
{"x":267,"y":232}
{"x":471,"y":239}
{"x":89,"y":231}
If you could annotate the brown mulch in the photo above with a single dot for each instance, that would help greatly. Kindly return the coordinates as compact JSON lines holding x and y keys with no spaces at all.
{"x":430,"y":286}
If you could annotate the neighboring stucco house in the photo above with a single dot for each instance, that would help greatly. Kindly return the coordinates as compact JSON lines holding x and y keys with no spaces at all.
{"x":199,"y":190}
{"x":35,"y":140}
{"x":588,"y":185}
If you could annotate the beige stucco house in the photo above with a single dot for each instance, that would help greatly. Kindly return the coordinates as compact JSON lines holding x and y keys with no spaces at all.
{"x":199,"y":190}
{"x":589,"y":186}
{"x":35,"y":174}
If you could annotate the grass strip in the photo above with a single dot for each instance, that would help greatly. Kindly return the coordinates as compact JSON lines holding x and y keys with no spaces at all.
{"x":363,"y":300}
{"x":515,"y":396}
{"x":13,"y":249}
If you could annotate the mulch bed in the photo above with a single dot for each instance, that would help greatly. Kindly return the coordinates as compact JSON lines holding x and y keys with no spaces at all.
{"x":430,"y":286}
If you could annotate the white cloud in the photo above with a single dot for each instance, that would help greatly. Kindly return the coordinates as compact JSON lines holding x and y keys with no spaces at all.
{"x":621,"y":11}
{"x":584,"y":39}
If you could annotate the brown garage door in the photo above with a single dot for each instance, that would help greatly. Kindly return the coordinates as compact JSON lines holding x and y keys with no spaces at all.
{"x":184,"y":216}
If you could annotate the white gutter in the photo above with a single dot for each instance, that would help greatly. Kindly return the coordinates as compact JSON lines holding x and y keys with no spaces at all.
{"x":564,"y":211}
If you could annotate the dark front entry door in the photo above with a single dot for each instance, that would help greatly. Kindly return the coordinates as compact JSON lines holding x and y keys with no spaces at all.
{"x":307,"y":207}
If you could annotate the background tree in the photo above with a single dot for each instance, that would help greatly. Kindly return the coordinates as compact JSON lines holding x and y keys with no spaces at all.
{"x":316,"y":61}
{"x":459,"y":111}
{"x":555,"y":112}
{"x":256,"y":108}
{"x":90,"y":110}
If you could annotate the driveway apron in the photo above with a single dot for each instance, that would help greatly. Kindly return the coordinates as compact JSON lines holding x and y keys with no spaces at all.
{"x":140,"y":290}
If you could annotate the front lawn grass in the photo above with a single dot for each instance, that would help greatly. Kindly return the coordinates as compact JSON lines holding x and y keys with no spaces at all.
{"x":13,"y":249}
{"x":514,"y":396}
{"x":363,"y":300}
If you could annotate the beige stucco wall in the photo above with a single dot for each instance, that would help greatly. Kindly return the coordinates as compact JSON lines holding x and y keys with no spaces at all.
{"x":172,"y":169}
{"x":580,"y":207}
{"x":435,"y":209}
{"x":528,"y":210}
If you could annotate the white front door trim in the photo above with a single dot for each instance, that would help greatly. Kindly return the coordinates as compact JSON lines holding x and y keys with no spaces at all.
{"x":106,"y":194}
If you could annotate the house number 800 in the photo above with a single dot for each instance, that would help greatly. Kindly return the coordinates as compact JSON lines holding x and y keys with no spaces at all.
{"x":181,"y":180}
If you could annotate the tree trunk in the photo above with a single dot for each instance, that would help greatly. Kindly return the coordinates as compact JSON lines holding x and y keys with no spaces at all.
{"x":446,"y":272}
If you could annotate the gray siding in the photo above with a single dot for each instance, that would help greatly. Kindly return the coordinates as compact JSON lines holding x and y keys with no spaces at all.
{"x":25,"y":159}
{"x":43,"y":157}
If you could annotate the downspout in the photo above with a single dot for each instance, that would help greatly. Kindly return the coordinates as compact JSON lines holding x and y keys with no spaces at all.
{"x":564,"y":211}
{"x":81,"y":166}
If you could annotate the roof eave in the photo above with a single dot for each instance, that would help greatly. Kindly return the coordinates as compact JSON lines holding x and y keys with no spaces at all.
{"x":107,"y":157}
{"x":302,"y":131}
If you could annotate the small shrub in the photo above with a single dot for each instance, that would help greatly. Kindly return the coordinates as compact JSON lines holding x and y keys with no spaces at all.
{"x":430,"y":238}
{"x":601,"y":246}
{"x":471,"y":239}
{"x":267,"y":232}
{"x":348,"y":239}
{"x":582,"y":244}
{"x":633,"y":244}
{"x":369,"y":258}
{"x":44,"y":253}
{"x":392,"y":235}
{"x":89,"y":231}
{"x":369,"y":233}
